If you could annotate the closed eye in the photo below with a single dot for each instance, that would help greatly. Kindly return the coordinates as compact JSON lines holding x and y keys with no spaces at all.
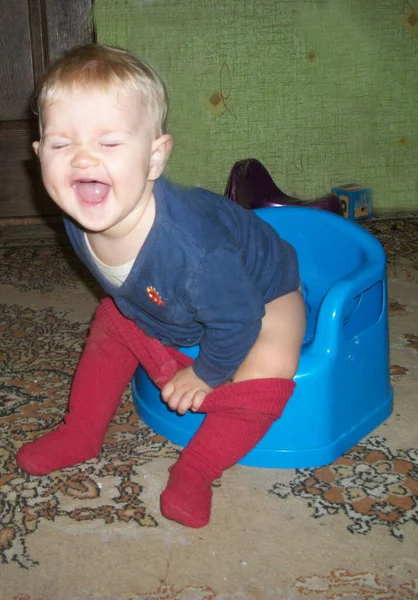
{"x":110,"y":144}
{"x":59,"y":146}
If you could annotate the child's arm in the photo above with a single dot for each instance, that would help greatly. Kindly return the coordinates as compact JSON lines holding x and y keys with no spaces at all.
{"x":230,"y":310}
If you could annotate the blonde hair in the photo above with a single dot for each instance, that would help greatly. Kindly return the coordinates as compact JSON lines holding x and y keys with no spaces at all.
{"x":97,"y":66}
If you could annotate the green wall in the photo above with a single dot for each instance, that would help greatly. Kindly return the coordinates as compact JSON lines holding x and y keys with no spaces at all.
{"x":323,"y":92}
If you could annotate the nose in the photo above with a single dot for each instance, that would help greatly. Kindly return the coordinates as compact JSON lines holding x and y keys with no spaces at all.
{"x":84,"y":157}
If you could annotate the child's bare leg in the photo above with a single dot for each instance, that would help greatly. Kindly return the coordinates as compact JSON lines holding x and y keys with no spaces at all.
{"x":239,"y":414}
{"x":276,"y":352}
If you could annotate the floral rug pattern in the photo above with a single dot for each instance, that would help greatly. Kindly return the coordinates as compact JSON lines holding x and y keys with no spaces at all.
{"x":342,"y":584}
{"x":369,"y":484}
{"x":370,"y":491}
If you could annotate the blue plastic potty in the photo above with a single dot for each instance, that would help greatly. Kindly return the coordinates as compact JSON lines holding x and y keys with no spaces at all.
{"x":343,"y":388}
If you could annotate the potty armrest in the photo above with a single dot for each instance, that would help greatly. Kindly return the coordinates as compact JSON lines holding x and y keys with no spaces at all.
{"x":342,"y":300}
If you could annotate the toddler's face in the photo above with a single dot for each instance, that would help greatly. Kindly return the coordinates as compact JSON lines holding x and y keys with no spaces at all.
{"x":100,"y":156}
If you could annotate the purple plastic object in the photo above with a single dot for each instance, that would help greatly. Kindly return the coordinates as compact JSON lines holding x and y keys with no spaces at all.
{"x":251,"y":186}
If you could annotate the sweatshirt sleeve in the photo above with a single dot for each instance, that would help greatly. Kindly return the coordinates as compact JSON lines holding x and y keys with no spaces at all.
{"x":230,"y":310}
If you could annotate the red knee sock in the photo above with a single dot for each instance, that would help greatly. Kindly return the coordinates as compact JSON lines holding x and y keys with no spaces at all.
{"x":112,"y":351}
{"x":238,"y":417}
{"x":160,"y":362}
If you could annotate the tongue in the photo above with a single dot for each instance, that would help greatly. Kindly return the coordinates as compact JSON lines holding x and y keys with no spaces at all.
{"x":92,"y":191}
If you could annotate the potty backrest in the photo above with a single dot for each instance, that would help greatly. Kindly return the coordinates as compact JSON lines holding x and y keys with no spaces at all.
{"x":328,"y":247}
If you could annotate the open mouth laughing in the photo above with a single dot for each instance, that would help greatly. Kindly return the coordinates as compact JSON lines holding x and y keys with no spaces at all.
{"x":91,"y":191}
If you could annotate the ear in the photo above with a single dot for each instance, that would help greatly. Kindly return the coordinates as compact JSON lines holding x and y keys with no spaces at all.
{"x":35,"y":147}
{"x":160,"y":153}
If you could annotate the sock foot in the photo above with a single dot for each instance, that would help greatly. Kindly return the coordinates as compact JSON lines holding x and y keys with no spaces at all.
{"x":57,"y":450}
{"x":187,"y":498}
{"x":238,"y":415}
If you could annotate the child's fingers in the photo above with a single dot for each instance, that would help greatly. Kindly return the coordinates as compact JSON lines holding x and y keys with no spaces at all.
{"x":198,"y":399}
{"x":167,"y":391}
{"x":178,"y":398}
{"x":185,"y":403}
{"x":182,"y":400}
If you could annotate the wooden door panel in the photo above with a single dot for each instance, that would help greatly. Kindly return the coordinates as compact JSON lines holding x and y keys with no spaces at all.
{"x":16,"y":73}
{"x":22,"y":192}
{"x":33,"y":33}
{"x":68,"y":24}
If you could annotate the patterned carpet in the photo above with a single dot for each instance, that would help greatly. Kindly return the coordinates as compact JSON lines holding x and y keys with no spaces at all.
{"x":346,"y":531}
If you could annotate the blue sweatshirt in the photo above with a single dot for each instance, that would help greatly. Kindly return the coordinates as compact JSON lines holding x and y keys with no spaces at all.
{"x":202,"y":277}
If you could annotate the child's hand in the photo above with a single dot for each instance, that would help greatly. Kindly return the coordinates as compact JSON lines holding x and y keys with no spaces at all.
{"x":185,"y":391}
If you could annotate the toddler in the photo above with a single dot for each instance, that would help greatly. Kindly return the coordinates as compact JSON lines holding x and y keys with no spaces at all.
{"x":180,"y":267}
